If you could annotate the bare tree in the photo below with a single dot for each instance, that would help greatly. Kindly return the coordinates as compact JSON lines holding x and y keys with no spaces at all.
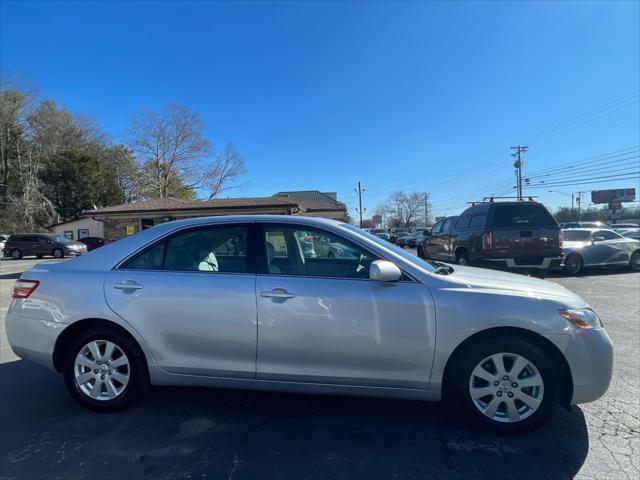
{"x":170,"y":150}
{"x":229,"y":165}
{"x":403,"y":210}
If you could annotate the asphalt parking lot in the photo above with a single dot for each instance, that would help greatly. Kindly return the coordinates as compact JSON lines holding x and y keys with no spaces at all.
{"x":210,"y":434}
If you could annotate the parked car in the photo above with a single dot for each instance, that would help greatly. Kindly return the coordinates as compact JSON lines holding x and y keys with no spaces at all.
{"x":417,"y":237}
{"x":3,"y":241}
{"x":382,"y":233}
{"x":593,"y":247}
{"x":395,"y":233}
{"x":513,"y":235}
{"x":92,"y":242}
{"x":42,"y":244}
{"x":631,"y":233}
{"x":624,"y":226}
{"x":423,"y":237}
{"x":568,"y":225}
{"x":502,"y":349}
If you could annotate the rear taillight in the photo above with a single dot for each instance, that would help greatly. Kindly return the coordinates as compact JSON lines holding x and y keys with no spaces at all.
{"x":24,"y":288}
{"x":560,"y":239}
{"x":487,"y":241}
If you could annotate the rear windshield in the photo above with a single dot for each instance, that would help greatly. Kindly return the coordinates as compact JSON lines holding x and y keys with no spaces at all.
{"x":576,"y":235}
{"x":522,"y":216}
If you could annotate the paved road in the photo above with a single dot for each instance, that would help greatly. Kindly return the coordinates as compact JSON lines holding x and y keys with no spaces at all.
{"x":206,"y":434}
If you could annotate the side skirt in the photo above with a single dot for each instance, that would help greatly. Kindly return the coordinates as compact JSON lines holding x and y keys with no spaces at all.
{"x":159,"y":378}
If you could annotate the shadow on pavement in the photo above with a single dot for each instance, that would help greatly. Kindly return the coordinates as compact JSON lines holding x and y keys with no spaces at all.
{"x":206,"y":433}
{"x":10,"y":276}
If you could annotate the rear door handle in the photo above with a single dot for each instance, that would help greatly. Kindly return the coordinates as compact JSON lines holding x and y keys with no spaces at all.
{"x":128,"y":285}
{"x":277,"y":293}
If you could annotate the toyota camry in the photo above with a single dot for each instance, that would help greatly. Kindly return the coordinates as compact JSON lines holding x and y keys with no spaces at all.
{"x":241,"y":302}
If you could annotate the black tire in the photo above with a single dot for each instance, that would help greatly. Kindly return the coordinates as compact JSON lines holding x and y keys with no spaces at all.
{"x":420,"y":252}
{"x":460,"y":375}
{"x":57,"y":253}
{"x":462,"y":258}
{"x":573,"y":264}
{"x":138,"y":374}
{"x":16,"y":254}
{"x":634,"y":261}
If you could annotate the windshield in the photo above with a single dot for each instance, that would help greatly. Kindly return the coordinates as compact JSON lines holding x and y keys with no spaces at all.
{"x":576,"y":235}
{"x":59,"y":238}
{"x":430,"y":267}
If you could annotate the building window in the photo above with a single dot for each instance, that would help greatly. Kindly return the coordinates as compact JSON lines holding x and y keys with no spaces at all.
{"x":68,"y":234}
{"x":83,"y":233}
{"x":146,"y":223}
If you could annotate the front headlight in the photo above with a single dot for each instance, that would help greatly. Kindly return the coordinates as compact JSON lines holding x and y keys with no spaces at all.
{"x":581,"y":317}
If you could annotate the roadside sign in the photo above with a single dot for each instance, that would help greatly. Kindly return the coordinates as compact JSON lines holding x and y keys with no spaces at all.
{"x":131,"y":230}
{"x":621,"y":194}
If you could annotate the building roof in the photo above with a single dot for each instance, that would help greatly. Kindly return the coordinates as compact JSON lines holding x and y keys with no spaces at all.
{"x":310,"y":196}
{"x":175,"y":205}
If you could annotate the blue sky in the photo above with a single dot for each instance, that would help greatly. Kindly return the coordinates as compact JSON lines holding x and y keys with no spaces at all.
{"x":414,"y":96}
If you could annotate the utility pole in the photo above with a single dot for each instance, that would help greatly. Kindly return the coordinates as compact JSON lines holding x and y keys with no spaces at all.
{"x":579,"y":202}
{"x":519,"y":150}
{"x":359,"y":191}
{"x":426,"y":209}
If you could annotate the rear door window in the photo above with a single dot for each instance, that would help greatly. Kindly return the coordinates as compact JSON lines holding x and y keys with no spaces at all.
{"x":522,"y":216}
{"x":478,"y":221}
{"x":462,"y":222}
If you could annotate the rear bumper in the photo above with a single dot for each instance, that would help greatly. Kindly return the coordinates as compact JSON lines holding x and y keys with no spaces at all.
{"x":589,"y":354}
{"x":514,"y":263}
{"x":32,"y":338}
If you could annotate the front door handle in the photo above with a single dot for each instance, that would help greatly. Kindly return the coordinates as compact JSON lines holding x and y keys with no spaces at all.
{"x":277,"y":293}
{"x":127,"y":285}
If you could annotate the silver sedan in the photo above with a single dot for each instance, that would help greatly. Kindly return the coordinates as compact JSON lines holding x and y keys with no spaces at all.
{"x":597,"y":247}
{"x":236,"y":302}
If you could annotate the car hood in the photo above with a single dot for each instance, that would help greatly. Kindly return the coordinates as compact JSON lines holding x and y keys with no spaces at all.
{"x":494,"y":282}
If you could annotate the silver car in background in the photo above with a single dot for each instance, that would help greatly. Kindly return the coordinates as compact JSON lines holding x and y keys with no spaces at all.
{"x":237,"y":302}
{"x":597,"y":247}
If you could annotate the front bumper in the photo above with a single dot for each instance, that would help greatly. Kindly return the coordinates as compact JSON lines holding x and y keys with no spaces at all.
{"x":589,"y":354}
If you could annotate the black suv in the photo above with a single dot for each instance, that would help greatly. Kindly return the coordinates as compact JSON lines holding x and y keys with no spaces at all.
{"x":519,"y":235}
{"x":41,"y":244}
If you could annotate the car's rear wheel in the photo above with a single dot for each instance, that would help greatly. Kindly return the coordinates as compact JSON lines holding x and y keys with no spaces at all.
{"x":420,"y":252}
{"x":57,"y":253}
{"x":573,"y":264}
{"x":104,"y":369}
{"x":504,"y":385}
{"x":634,"y":262}
{"x":16,"y":254}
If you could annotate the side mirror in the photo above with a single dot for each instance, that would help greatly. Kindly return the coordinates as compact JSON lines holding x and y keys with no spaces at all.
{"x":384,"y":271}
{"x":49,"y":241}
{"x":598,"y":239}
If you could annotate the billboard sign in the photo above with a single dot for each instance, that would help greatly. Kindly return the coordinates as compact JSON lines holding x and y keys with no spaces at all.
{"x":620,"y":194}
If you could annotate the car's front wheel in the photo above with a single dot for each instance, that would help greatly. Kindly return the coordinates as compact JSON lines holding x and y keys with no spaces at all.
{"x":504,"y":385}
{"x":104,"y":369}
{"x":634,"y":262}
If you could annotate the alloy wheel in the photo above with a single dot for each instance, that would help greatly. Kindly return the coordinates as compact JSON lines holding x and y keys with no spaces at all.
{"x":635,"y":261}
{"x":102,"y":370}
{"x":573,"y":264}
{"x":506,"y":387}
